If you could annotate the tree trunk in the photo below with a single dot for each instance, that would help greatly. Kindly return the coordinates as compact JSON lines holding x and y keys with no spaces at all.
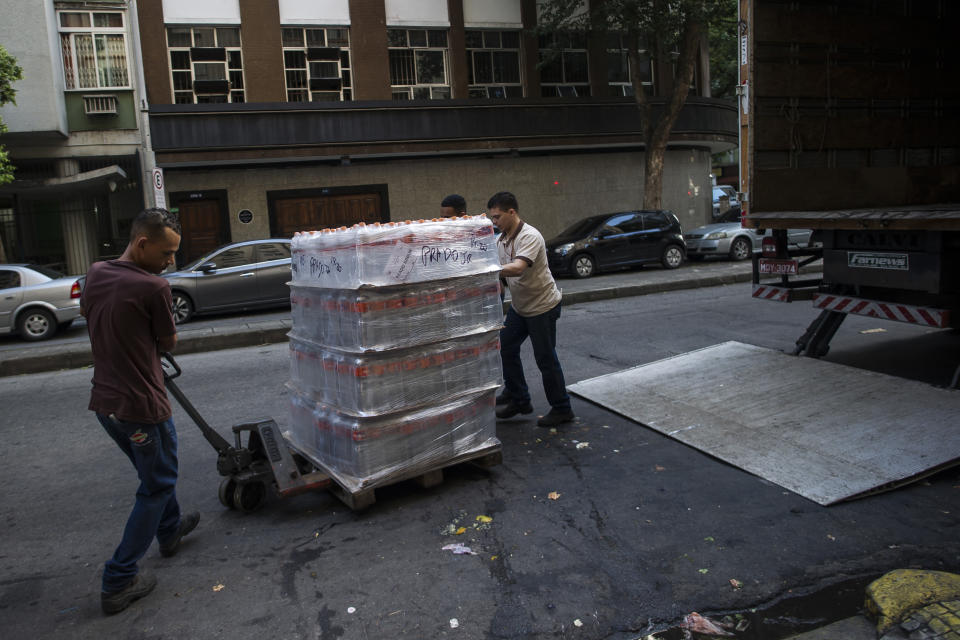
{"x":657,"y":134}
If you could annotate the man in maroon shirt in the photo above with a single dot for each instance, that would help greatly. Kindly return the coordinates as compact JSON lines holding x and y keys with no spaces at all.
{"x":127,"y":307}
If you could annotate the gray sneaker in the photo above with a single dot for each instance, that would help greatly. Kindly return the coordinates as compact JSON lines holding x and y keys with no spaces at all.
{"x":116,"y":601}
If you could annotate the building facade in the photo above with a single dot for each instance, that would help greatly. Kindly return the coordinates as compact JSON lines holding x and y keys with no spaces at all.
{"x":75,"y":134}
{"x":272,"y":116}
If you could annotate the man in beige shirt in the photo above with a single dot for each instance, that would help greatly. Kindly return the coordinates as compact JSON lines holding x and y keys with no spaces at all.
{"x":534,"y":310}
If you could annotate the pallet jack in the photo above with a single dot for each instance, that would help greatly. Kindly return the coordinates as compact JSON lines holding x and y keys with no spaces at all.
{"x":250,"y":471}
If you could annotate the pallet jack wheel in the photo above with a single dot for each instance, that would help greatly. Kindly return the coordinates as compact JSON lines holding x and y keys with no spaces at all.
{"x":227,"y":489}
{"x":249,"y":496}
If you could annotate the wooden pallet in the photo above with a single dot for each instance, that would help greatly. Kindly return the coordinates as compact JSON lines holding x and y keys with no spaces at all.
{"x":485,"y":457}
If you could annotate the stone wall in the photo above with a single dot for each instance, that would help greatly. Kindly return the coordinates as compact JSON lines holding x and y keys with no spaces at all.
{"x":553,"y":191}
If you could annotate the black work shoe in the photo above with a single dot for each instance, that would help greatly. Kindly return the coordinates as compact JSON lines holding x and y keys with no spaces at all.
{"x":187,"y":524}
{"x":116,"y":601}
{"x":504,"y":398}
{"x":511,"y":409}
{"x":554,"y":417}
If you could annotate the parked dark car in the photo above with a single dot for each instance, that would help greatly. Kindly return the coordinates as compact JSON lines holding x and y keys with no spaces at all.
{"x":615,"y":240}
{"x":36,"y":301}
{"x":235,"y":277}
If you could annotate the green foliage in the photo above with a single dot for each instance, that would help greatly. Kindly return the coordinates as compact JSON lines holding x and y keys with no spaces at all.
{"x":10,"y":72}
{"x":724,"y":61}
{"x":660,"y":24}
{"x":664,"y":30}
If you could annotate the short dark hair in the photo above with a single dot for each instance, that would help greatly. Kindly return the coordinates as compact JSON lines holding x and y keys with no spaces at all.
{"x":504,"y":200}
{"x":456,"y":201}
{"x":152,"y":222}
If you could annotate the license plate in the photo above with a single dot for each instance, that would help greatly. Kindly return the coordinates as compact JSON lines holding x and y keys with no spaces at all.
{"x":779,"y":267}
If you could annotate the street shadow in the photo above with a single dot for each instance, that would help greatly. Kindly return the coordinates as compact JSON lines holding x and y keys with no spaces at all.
{"x":932,"y":357}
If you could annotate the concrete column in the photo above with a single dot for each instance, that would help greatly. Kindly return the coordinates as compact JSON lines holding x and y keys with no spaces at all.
{"x":66,"y":167}
{"x":457,"y":50}
{"x":153,"y":46}
{"x":368,"y":50}
{"x":530,"y":49}
{"x":263,"y":69}
{"x":78,"y":221}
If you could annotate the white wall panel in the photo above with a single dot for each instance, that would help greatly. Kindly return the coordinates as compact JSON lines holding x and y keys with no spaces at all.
{"x":201,"y":11}
{"x":30,"y":35}
{"x":492,"y":13}
{"x":417,"y":13}
{"x":321,"y":12}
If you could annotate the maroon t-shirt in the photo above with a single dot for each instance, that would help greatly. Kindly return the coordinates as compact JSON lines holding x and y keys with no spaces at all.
{"x":127,"y":309}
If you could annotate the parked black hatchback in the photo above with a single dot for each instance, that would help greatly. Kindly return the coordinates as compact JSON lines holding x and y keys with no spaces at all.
{"x":615,"y":240}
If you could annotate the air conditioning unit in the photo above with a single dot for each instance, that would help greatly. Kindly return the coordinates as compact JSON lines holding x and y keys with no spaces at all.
{"x":100,"y":105}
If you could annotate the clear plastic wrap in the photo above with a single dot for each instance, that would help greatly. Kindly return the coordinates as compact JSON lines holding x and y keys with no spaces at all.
{"x":366,"y":452}
{"x":394,"y":253}
{"x":386,"y":381}
{"x":396,"y":317}
{"x":394,"y":351}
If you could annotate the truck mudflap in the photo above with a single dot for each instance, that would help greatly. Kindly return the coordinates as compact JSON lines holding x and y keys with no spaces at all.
{"x":926,"y":316}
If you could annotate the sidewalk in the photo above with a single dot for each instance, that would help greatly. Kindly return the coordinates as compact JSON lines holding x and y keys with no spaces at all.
{"x":228,"y":332}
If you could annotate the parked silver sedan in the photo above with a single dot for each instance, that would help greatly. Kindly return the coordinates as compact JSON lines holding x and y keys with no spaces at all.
{"x":731,"y":240}
{"x":235,"y":277}
{"x":36,"y":301}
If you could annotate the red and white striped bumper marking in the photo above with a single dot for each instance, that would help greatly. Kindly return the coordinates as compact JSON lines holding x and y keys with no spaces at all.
{"x":766,"y":292}
{"x":927,"y":316}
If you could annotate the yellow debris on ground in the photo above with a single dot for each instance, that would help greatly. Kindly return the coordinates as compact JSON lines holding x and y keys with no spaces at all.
{"x":891,"y":598}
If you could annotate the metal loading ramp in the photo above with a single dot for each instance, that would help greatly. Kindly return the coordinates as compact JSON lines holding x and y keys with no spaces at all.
{"x":826,"y":431}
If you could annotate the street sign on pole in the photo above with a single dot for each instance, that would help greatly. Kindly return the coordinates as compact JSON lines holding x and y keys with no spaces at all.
{"x":159,"y":199}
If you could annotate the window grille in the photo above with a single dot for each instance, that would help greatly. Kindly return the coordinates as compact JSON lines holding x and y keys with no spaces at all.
{"x":206,"y":64}
{"x":316,"y":63}
{"x":94,"y":50}
{"x":418,"y":64}
{"x":100,"y":105}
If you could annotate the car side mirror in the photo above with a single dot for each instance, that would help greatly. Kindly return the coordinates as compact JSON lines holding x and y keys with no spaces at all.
{"x":207,"y":267}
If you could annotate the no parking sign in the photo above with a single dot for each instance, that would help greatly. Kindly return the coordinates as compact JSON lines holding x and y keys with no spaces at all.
{"x":159,"y":199}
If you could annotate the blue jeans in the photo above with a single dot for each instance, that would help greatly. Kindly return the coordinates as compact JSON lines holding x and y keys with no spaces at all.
{"x":542,"y":331}
{"x":152,"y":448}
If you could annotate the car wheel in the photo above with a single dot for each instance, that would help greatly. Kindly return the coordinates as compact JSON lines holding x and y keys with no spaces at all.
{"x":740,"y":249}
{"x":672,"y":256}
{"x":182,"y":307}
{"x":583,"y":266}
{"x":36,"y":324}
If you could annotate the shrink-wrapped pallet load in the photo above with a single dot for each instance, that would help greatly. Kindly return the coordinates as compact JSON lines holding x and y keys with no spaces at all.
{"x":394,"y":350}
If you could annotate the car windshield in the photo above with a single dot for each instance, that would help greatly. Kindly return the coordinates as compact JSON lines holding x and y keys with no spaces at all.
{"x":582,"y":227}
{"x":45,"y":271}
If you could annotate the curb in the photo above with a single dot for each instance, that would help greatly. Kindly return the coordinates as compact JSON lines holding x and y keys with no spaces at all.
{"x":77,"y":355}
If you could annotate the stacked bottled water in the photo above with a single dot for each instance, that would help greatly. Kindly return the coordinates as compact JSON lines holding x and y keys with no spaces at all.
{"x":394,"y":351}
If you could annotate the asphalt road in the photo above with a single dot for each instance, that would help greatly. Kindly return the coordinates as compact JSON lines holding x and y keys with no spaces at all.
{"x":644,"y":530}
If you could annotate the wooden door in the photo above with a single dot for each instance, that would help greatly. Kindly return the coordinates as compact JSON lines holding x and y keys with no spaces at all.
{"x":201,"y":229}
{"x":323,"y":212}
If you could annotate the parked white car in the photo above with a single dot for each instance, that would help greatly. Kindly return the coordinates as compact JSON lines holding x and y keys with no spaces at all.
{"x":36,"y":301}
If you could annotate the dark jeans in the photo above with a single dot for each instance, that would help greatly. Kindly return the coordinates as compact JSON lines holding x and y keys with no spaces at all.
{"x":542,"y":331}
{"x":152,"y":448}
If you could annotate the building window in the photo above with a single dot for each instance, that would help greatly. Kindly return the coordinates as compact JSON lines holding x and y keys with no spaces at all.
{"x":493,"y":64}
{"x":94,"y":50}
{"x":618,"y":66}
{"x":316,"y":63}
{"x":418,"y":64}
{"x":206,"y":64}
{"x":565,"y":70}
